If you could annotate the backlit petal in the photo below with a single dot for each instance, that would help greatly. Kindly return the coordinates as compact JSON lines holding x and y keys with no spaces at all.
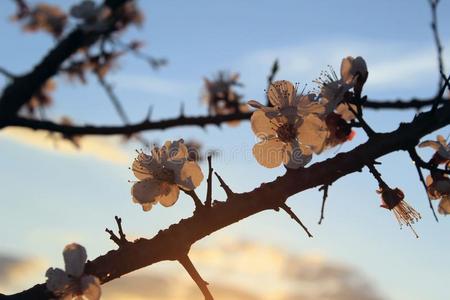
{"x":269,"y":153}
{"x":75,"y":257}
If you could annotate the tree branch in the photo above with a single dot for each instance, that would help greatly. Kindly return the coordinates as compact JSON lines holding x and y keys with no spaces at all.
{"x":186,"y":262}
{"x":289,"y":211}
{"x":172,"y":243}
{"x":18,"y":92}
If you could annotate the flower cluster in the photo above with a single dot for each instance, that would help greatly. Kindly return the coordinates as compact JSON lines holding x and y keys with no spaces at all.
{"x":220,"y":95}
{"x":73,"y":283}
{"x":298,"y":125}
{"x":438,"y":184}
{"x":162,"y":173}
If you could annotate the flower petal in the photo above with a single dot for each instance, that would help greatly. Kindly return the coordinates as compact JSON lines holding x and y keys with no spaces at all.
{"x":261,"y":124}
{"x":90,"y":286}
{"x":143,"y":166}
{"x":269,"y":153}
{"x":169,"y":194}
{"x":444,"y":205}
{"x":57,"y":280}
{"x":189,"y":176}
{"x":177,"y":150}
{"x":75,"y":257}
{"x":313,"y":132}
{"x":345,"y":112}
{"x":281,"y":93}
{"x":293,"y":158}
{"x":146,"y":191}
{"x":433,"y":144}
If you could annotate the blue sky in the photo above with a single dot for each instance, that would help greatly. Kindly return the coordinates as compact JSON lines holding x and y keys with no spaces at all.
{"x":52,"y":197}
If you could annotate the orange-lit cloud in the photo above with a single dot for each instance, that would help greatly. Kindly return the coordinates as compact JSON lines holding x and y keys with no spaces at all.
{"x":102,"y":148}
{"x":236,"y":270}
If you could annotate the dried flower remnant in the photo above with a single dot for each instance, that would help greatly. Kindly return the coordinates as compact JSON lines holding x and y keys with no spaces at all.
{"x":392,"y":199}
{"x":354,"y":72}
{"x":73,"y":283}
{"x":74,"y":139}
{"x":438,"y":188}
{"x":45,"y":17}
{"x":441,"y":147}
{"x":220,"y":95}
{"x":162,"y":173}
{"x":291,"y":130}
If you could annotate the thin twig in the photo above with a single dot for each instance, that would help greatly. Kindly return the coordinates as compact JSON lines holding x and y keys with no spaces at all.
{"x":209,"y":184}
{"x":198,"y":203}
{"x":324,"y":199}
{"x":186,"y":262}
{"x":6,"y":73}
{"x":120,"y":240}
{"x":273,"y":72}
{"x":224,"y":186}
{"x":422,"y":180}
{"x":437,"y":39}
{"x":289,"y":211}
{"x":369,"y":131}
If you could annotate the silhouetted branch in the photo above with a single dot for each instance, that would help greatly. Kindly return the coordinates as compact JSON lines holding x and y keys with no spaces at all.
{"x":437,"y":40}
{"x":324,"y":188}
{"x":429,"y":166}
{"x":186,"y":262}
{"x":289,"y":211}
{"x":114,"y":99}
{"x":198,"y":203}
{"x":273,"y":72}
{"x":422,"y":180}
{"x":120,"y":240}
{"x":18,"y":92}
{"x":224,"y":186}
{"x":201,"y":121}
{"x":172,"y":243}
{"x":6,"y":73}
{"x":209,"y":184}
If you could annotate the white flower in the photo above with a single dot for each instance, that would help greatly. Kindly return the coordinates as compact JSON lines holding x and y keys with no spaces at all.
{"x":440,"y":146}
{"x":332,"y":89}
{"x":162,"y":173}
{"x":71,"y":283}
{"x":290,"y":130}
{"x":283,"y":96}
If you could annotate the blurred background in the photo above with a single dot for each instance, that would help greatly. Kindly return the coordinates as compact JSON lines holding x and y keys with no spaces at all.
{"x":53,"y":193}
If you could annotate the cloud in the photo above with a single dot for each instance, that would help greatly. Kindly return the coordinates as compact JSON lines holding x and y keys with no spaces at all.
{"x":18,"y":273}
{"x":107,"y":149}
{"x":154,"y":85}
{"x":235,"y":269}
{"x":391,"y":64}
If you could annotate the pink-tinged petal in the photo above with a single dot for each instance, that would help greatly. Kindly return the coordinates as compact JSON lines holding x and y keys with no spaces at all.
{"x":269,"y":153}
{"x":444,"y":205}
{"x":90,"y":286}
{"x":57,"y":280}
{"x":262,"y":126}
{"x":146,"y":191}
{"x":281,"y":93}
{"x":169,"y":194}
{"x":189,"y":176}
{"x":313,"y":133}
{"x":293,"y":158}
{"x":75,"y":257}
